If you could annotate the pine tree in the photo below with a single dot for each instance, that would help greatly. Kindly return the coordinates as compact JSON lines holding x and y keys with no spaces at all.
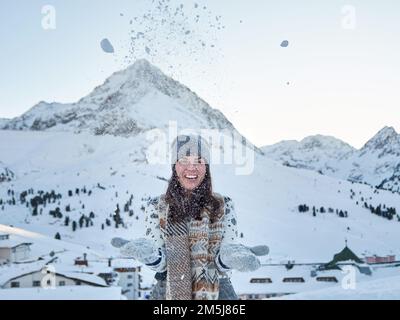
{"x":378,"y":210}
{"x":81,"y":221}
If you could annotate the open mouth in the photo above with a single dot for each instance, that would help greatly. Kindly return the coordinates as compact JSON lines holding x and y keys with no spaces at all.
{"x":191,"y":176}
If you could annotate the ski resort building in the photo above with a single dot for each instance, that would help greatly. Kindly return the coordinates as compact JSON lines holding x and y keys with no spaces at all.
{"x":13,"y":250}
{"x":129,"y":277}
{"x":377,"y":259}
{"x":43,"y":278}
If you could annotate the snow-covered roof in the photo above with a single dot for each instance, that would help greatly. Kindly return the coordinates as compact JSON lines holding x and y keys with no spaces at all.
{"x":125,"y":263}
{"x":16,"y":271}
{"x":241,"y":281}
{"x":63,"y":293}
{"x":12,"y":243}
{"x":87,"y":277}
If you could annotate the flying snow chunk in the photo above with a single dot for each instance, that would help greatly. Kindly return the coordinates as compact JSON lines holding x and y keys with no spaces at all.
{"x":284,"y":43}
{"x":107,"y":46}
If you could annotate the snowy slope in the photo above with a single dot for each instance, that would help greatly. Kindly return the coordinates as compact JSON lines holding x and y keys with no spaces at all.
{"x":5,"y":173}
{"x":63,"y":293}
{"x":376,"y":163}
{"x":266,"y":200}
{"x":381,"y":289}
{"x":3,"y":122}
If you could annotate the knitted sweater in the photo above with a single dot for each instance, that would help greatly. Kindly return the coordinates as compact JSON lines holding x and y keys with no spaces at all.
{"x":155,"y":220}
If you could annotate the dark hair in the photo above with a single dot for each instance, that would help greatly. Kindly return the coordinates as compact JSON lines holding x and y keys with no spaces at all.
{"x":183,"y":206}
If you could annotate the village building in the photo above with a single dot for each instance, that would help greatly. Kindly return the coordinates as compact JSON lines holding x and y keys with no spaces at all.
{"x":12,"y":251}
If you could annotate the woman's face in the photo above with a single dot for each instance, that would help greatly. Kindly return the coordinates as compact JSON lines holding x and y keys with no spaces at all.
{"x":191,"y":171}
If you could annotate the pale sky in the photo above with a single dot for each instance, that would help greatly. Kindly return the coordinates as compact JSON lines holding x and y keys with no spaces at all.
{"x":339,"y":75}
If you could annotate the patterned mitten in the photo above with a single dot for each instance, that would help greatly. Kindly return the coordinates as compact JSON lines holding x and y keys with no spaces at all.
{"x":142,"y":249}
{"x":239,"y":257}
{"x":261,"y":250}
{"x":118,"y":242}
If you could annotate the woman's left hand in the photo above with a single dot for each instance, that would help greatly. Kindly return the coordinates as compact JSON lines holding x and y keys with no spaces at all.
{"x":239,"y":257}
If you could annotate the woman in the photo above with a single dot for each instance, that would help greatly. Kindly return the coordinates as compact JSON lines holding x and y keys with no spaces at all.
{"x":191,"y":232}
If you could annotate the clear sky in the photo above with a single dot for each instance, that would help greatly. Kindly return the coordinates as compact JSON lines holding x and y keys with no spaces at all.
{"x":339,"y":75}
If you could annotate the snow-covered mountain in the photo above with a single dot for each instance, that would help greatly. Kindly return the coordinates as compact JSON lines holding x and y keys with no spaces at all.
{"x":130,"y":101}
{"x":317,"y":152}
{"x":376,"y":163}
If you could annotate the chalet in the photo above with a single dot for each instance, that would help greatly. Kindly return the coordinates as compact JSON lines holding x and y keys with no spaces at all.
{"x":377,"y":259}
{"x":346,"y":255}
{"x":129,"y":277}
{"x":276,"y":280}
{"x":4,"y":236}
{"x":81,"y":262}
{"x":13,"y":250}
{"x":35,"y":278}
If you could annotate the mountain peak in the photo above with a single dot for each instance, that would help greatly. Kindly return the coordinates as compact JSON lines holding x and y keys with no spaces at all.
{"x":385,"y":137}
{"x":320,"y":141}
{"x":387,"y":132}
{"x":142,"y":66}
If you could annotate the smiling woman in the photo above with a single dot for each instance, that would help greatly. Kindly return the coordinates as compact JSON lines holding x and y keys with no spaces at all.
{"x":190,"y":171}
{"x":191,"y":232}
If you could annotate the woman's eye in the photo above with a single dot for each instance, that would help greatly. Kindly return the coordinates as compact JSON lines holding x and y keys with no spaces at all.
{"x":183,"y":161}
{"x":186,"y":162}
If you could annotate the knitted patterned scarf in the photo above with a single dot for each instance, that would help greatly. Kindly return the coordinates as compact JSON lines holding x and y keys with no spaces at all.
{"x":179,"y":277}
{"x":191,"y":248}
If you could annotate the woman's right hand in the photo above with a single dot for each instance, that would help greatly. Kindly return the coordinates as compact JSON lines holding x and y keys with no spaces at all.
{"x":141,"y":249}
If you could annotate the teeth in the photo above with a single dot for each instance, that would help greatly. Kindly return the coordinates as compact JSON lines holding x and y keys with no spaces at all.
{"x":191,"y":177}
